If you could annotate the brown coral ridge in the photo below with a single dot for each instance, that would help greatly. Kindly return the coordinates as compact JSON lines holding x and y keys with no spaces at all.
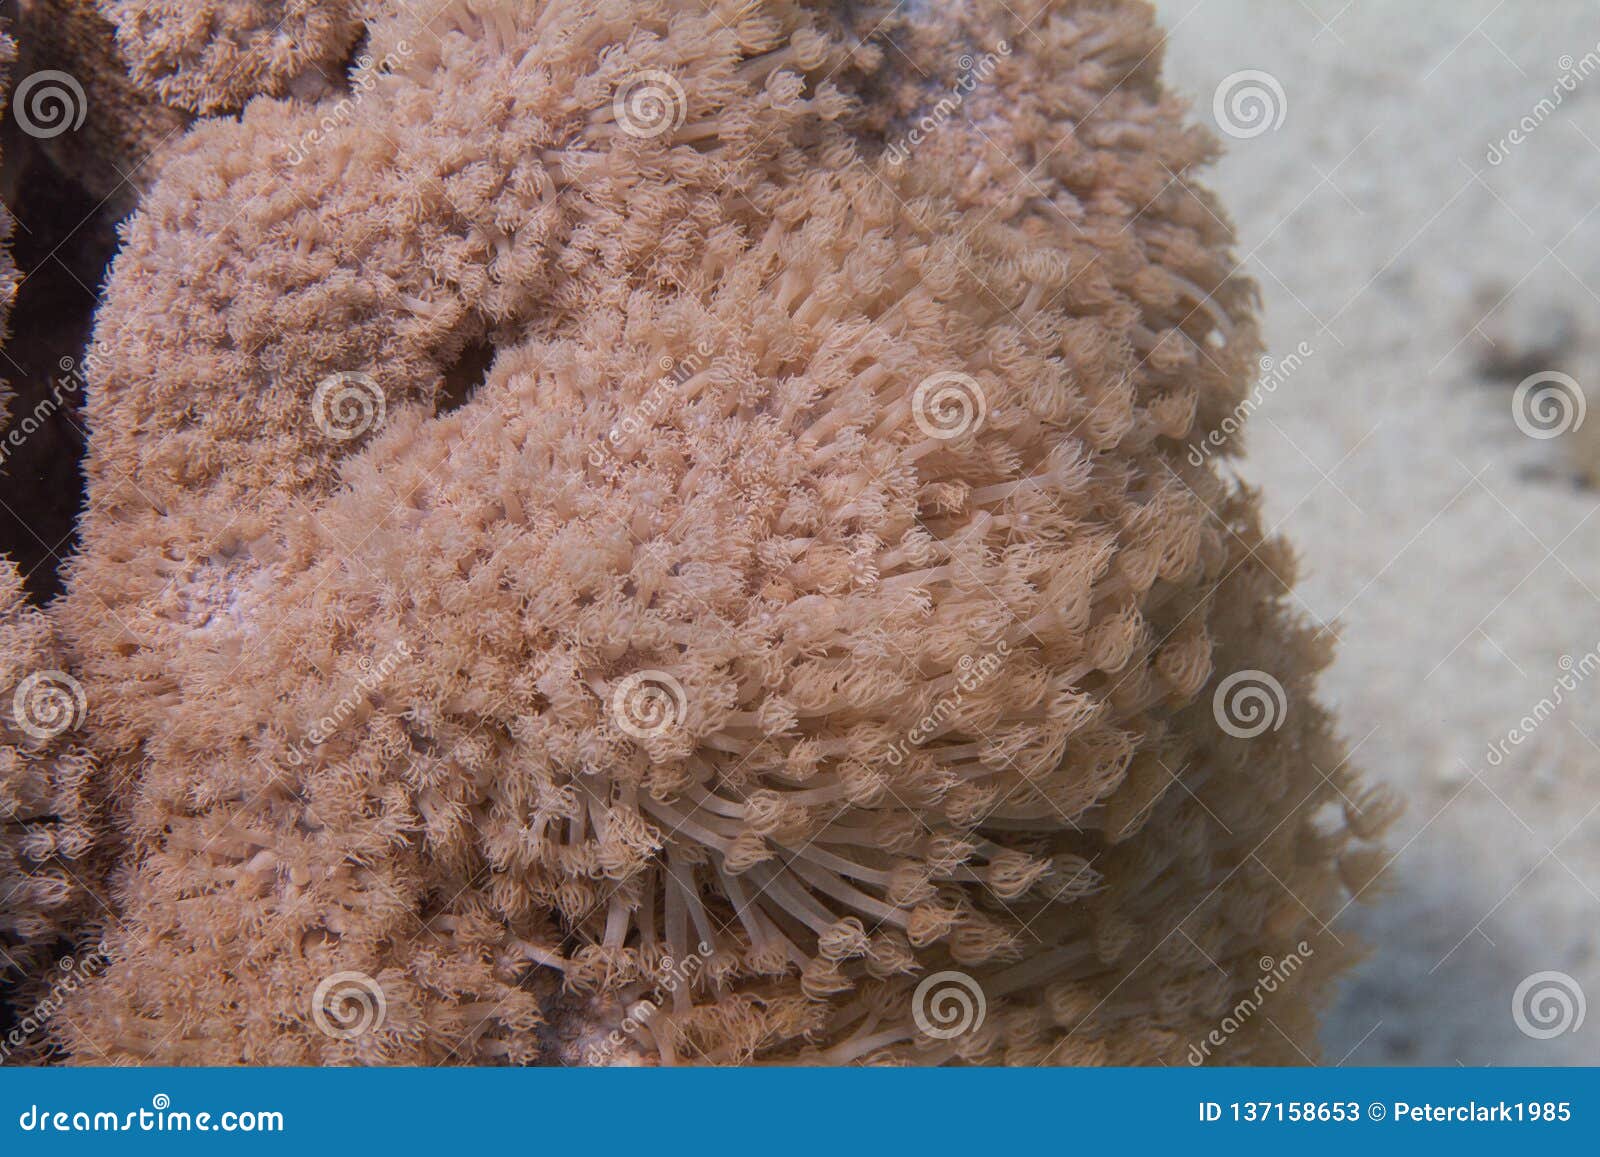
{"x":705,"y":629}
{"x":49,"y":867}
{"x":213,"y":56}
{"x":9,"y":277}
{"x":107,"y":134}
{"x":77,"y":150}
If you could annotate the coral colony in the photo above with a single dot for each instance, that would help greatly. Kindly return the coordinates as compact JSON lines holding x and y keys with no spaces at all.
{"x":592,"y":558}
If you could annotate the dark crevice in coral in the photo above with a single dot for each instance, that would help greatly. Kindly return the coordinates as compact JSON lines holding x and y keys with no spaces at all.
{"x":63,"y":243}
{"x":338,"y":75}
{"x":463,"y":378}
{"x":20,"y":1003}
{"x":565,"y":1015}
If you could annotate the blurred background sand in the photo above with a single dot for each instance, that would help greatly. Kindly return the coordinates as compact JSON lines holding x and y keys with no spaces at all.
{"x":1458,"y":557}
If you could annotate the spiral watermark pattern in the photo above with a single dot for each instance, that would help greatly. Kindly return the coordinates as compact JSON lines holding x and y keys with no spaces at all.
{"x":48,"y":703}
{"x":1248,"y":703}
{"x":1248,"y":103}
{"x":1548,"y":1004}
{"x":649,"y":103}
{"x":947,"y":1005}
{"x":648,"y":703}
{"x":348,"y":1004}
{"x":949,"y":404}
{"x":347,"y":405}
{"x":1548,"y":404}
{"x":50,"y":103}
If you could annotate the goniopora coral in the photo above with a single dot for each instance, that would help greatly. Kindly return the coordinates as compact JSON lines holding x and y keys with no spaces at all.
{"x":579,"y":504}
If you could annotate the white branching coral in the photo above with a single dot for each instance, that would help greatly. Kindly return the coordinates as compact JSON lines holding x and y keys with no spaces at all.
{"x":815,"y":587}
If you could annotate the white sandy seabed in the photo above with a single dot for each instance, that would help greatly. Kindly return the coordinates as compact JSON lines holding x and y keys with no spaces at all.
{"x":1396,"y":228}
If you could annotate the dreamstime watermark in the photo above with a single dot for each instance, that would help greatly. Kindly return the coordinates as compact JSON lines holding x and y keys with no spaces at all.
{"x":649,"y":703}
{"x":1248,"y":103}
{"x":49,"y":103}
{"x":373,"y":675}
{"x":71,"y":384}
{"x":75,"y":971}
{"x":1249,"y":703}
{"x":973,"y":74}
{"x":670,"y":974}
{"x":348,"y":404}
{"x":1274,"y":975}
{"x":947,"y":1005}
{"x":1548,"y":1004}
{"x":1573,"y":72}
{"x":337,"y":114}
{"x":948,"y":404}
{"x":1576,"y":671}
{"x":1548,"y":404}
{"x":649,"y":103}
{"x":971,"y":673}
{"x":656,"y":403}
{"x":347,"y":1005}
{"x":160,"y":1117}
{"x":49,"y":703}
{"x":1273,"y":374}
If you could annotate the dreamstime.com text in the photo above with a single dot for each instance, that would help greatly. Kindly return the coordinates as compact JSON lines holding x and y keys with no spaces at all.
{"x":158,"y":1117}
